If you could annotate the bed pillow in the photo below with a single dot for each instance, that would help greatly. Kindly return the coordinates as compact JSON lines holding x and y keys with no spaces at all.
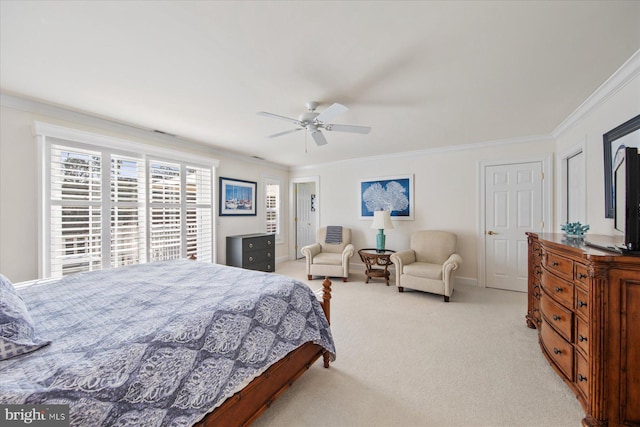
{"x":17,"y":332}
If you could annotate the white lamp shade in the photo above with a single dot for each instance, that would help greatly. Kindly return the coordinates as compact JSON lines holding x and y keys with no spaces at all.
{"x":382,"y":220}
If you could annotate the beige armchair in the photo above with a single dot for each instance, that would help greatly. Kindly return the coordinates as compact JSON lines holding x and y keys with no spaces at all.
{"x":329,"y":259}
{"x":429,"y":264}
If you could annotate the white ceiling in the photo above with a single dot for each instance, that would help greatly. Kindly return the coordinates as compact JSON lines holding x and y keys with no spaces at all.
{"x":421,"y":74}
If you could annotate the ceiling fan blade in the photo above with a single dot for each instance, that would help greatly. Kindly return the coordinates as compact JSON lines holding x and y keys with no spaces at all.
{"x":319,"y":138}
{"x":284,"y":133}
{"x":348,"y":128}
{"x":276,"y":116}
{"x":331,"y":112}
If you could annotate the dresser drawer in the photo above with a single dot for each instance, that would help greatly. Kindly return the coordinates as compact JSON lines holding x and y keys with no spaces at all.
{"x":558,"y":316}
{"x":257,"y":243}
{"x":559,"y":350}
{"x":581,"y":275}
{"x":582,"y":335}
{"x":559,"y":265}
{"x":560,"y":290}
{"x":582,"y":374}
{"x":256,"y":257}
{"x":581,"y":305}
{"x":535,"y":311}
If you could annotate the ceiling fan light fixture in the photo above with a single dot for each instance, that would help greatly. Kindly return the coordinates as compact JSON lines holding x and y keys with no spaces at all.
{"x":314,"y":122}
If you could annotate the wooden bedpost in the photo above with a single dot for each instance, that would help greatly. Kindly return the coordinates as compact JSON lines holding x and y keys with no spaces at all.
{"x":326,"y":297}
{"x":326,"y":306}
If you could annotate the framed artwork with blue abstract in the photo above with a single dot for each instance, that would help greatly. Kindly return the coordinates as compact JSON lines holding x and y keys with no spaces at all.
{"x":237,"y":197}
{"x":391,"y":193}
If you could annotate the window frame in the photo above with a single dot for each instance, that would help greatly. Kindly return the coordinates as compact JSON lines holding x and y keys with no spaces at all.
{"x":48,"y":135}
{"x":270,"y":180}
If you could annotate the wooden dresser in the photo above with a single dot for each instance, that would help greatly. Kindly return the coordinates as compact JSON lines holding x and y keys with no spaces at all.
{"x":585,"y":304}
{"x":252,"y":251}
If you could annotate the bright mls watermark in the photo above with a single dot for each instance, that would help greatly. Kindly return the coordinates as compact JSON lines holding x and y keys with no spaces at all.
{"x":34,"y":415}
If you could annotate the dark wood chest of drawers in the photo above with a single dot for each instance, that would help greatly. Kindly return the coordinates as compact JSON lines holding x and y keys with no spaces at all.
{"x":252,"y":251}
{"x":585,"y":304}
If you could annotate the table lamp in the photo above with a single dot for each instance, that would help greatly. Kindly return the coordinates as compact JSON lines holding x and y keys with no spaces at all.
{"x":381,"y":221}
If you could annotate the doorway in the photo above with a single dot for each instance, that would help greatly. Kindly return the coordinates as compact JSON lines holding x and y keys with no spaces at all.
{"x":305,"y":215}
{"x":515,"y":200}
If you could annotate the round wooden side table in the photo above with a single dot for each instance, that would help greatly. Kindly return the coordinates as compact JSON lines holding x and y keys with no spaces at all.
{"x":377,"y":263}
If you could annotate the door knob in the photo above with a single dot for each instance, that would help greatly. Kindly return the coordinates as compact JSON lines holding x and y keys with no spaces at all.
{"x":491,"y":233}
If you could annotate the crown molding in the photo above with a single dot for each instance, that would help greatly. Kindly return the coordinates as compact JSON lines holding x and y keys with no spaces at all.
{"x":34,"y":106}
{"x":427,"y":151}
{"x":618,"y":80}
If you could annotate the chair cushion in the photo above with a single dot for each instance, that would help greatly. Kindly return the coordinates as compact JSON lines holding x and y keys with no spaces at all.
{"x":423,"y":269}
{"x":328,"y":258}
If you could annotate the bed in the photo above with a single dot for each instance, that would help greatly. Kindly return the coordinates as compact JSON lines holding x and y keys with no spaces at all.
{"x":172,"y":343}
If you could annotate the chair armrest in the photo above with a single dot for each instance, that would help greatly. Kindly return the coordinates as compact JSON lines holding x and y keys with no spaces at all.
{"x":310,"y":251}
{"x":399,"y":259}
{"x":347,"y":253}
{"x":452,"y":263}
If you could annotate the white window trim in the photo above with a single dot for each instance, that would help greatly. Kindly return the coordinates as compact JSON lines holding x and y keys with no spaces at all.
{"x":87,"y":140}
{"x":274,"y":180}
{"x":561,"y":189}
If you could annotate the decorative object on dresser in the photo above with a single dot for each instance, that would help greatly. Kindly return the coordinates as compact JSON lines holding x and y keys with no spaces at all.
{"x":327,"y":259}
{"x":574,"y":229}
{"x":377,"y":263}
{"x":429,"y":265}
{"x":585,"y":304}
{"x":381,"y":222}
{"x":252,"y":251}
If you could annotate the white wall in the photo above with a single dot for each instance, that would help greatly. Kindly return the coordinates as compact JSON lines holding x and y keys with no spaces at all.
{"x":618,"y":107}
{"x":446,"y":182}
{"x":446,"y":188}
{"x":18,"y":184}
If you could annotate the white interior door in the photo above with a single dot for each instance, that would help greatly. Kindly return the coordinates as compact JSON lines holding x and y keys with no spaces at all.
{"x":305,"y":217}
{"x":513,"y":206}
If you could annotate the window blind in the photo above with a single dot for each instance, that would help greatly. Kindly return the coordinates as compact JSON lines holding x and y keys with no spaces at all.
{"x":110,"y":209}
{"x":76,"y":216}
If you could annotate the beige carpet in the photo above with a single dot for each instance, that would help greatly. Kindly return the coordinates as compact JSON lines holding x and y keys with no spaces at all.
{"x":409,"y":359}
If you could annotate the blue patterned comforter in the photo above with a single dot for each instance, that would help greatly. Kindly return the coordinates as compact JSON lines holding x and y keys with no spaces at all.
{"x":158,"y":344}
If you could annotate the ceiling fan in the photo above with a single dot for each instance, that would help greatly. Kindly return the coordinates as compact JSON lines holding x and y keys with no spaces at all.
{"x":314,"y":122}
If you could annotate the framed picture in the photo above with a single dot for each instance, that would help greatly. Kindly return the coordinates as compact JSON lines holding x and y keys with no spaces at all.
{"x":392,"y":193}
{"x":237,"y":197}
{"x":625,"y":135}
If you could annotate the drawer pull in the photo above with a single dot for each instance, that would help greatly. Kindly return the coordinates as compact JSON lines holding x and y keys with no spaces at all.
{"x":557,"y":351}
{"x":554,"y":264}
{"x":538,"y":272}
{"x":582,"y":303}
{"x":581,"y":377}
{"x":250,"y":258}
{"x":268,"y":254}
{"x":251,"y":245}
{"x":556,"y":317}
{"x":581,"y":338}
{"x":268,"y":242}
{"x":558,"y":289}
{"x":582,"y":276}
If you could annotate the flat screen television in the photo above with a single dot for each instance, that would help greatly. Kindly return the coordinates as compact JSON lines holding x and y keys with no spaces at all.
{"x":627,"y":197}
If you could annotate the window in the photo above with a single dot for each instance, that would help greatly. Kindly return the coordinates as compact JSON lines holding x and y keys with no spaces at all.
{"x":571,"y":189}
{"x":108,"y":208}
{"x":272,"y":206}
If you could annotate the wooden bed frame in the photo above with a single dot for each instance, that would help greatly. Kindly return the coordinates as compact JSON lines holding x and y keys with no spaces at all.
{"x":244,"y":407}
